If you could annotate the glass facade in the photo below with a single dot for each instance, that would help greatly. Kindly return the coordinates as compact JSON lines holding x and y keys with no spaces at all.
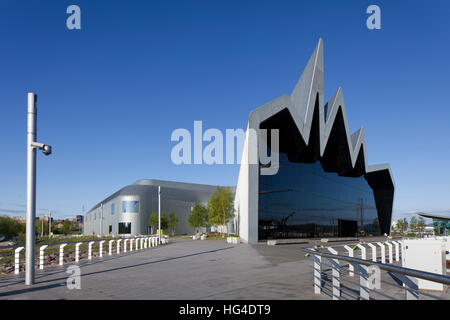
{"x":124,"y":227}
{"x":441,"y":227}
{"x":304,"y":201}
{"x":130,"y":206}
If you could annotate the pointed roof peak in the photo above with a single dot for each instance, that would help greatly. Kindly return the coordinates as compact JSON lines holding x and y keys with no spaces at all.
{"x":311,"y":73}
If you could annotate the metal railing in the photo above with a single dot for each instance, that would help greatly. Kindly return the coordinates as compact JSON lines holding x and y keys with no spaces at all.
{"x":114,"y":246}
{"x":370,"y":277}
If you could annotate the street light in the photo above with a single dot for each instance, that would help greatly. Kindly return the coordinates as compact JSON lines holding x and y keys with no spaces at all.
{"x":32,"y":144}
{"x":159,"y":214}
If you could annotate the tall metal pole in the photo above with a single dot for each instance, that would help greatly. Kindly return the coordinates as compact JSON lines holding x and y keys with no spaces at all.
{"x":50,"y":224}
{"x":101,"y":220}
{"x":159,"y":214}
{"x":31,"y":190}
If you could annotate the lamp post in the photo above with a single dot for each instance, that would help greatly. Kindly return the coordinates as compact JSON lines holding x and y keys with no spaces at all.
{"x":159,"y":214}
{"x":31,"y":186}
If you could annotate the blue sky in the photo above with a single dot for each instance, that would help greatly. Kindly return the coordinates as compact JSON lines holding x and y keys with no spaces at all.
{"x":110,"y":94}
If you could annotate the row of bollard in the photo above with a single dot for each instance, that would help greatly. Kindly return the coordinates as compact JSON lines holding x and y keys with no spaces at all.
{"x":139,"y":244}
{"x":363,"y":270}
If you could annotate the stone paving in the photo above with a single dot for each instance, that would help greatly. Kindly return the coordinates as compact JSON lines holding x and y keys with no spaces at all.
{"x":183,"y":269}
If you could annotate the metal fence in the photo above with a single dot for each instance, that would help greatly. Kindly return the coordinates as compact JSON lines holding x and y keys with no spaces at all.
{"x":72,"y":251}
{"x":336,"y":273}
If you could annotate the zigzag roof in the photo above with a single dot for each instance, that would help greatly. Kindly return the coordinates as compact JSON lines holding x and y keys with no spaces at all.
{"x":301,"y":104}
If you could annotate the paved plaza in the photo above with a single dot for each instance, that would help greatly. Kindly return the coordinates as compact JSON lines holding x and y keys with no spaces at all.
{"x":185,"y":269}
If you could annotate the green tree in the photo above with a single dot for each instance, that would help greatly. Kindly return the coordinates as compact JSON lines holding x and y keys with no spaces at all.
{"x":198,"y":216}
{"x":220,"y":207}
{"x":413,"y":224}
{"x":153,"y":222}
{"x":421,"y":225}
{"x":10,"y":227}
{"x":66,"y":228}
{"x":402,"y":225}
{"x":173,"y":222}
{"x":164,"y":221}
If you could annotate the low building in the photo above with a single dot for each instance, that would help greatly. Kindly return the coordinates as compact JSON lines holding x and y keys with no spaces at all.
{"x":441,"y":223}
{"x":127,"y":211}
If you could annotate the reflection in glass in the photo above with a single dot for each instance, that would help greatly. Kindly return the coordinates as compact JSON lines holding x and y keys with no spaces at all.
{"x":130,"y":206}
{"x":304,"y":201}
{"x":124,"y":227}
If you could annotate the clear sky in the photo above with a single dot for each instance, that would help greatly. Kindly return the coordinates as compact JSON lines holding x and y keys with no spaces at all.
{"x":110,"y":94}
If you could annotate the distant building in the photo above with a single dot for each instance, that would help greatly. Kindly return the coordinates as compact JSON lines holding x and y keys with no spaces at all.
{"x":127,"y":211}
{"x":441,"y":223}
{"x":20,"y":219}
{"x":79,"y":219}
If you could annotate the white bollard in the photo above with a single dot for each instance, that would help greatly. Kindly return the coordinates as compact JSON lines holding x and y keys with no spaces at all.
{"x":397,"y":250}
{"x":90,"y":250}
{"x":336,"y":276}
{"x":77,"y":251}
{"x":383,"y":252}
{"x":41,"y":256}
{"x":118,"y":245}
{"x":17,"y":260}
{"x":317,"y":274}
{"x":153,"y":241}
{"x":125,"y":243}
{"x":363,"y":251}
{"x":61,"y":253}
{"x":101,"y":248}
{"x":391,"y":260}
{"x":350,"y":266}
{"x":374,"y":252}
{"x":142,"y":243}
{"x":131,"y":244}
{"x":110,"y":246}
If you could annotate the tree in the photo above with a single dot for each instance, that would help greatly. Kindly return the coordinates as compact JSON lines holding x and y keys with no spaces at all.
{"x":421,"y":225}
{"x":66,"y":227}
{"x":413,"y":224}
{"x":198,"y":216}
{"x":164,"y":221}
{"x":173,"y":222}
{"x":220,"y":207}
{"x":10,"y":227}
{"x":153,"y":222}
{"x":402,"y":225}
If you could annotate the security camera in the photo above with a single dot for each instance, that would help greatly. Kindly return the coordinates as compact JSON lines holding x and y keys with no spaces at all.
{"x":47,"y":150}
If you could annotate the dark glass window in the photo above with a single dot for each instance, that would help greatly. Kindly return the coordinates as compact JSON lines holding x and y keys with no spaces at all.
{"x":110,"y":229}
{"x":124,"y":227}
{"x":130,"y":206}
{"x":304,"y":201}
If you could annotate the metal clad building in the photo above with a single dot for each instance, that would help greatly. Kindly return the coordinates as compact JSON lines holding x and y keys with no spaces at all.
{"x":127,"y":211}
{"x":321,"y":184}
